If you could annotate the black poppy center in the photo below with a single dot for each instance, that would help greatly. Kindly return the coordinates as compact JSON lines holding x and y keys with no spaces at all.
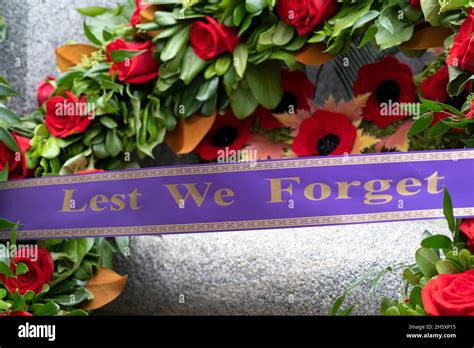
{"x":457,"y":101}
{"x":327,"y":144}
{"x":388,"y":90}
{"x":288,"y":104}
{"x":224,"y":136}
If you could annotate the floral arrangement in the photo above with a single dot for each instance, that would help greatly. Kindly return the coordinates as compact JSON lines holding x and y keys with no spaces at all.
{"x":229,"y":76}
{"x":440,"y":283}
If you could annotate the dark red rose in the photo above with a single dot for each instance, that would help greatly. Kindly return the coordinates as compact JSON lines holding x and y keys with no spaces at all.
{"x":211,"y":39}
{"x":450,"y":295}
{"x":462,"y":52}
{"x":45,"y":89}
{"x":137,"y":70}
{"x":136,"y":17}
{"x":67,"y":115}
{"x":40,"y":272}
{"x":16,"y":314}
{"x":325,"y":133}
{"x":90,"y":171}
{"x":415,"y":3}
{"x":17,"y":168}
{"x":435,"y":88}
{"x":305,"y":15}
{"x":228,"y":132}
{"x":467,"y":227}
{"x":298,"y":91}
{"x":388,"y":80}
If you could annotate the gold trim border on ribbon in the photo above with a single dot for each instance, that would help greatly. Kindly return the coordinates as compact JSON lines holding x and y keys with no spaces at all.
{"x":244,"y":167}
{"x":237,"y":225}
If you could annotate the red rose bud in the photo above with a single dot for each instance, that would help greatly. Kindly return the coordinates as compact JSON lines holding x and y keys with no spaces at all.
{"x":415,"y":3}
{"x":211,"y":39}
{"x":462,"y":53}
{"x":136,"y":17}
{"x":45,"y":89}
{"x":305,"y":15}
{"x":450,"y":295}
{"x":16,"y":314}
{"x":471,"y":112}
{"x":467,"y":227}
{"x":136,"y":70}
{"x":67,"y":115}
{"x":40,"y":271}
{"x":16,"y":160}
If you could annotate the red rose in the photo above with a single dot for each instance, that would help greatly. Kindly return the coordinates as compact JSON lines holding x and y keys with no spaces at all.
{"x":467,"y":227}
{"x":305,"y":15}
{"x":16,"y":314}
{"x":40,"y":272}
{"x":90,"y":171}
{"x":389,"y":81}
{"x":210,"y":39}
{"x":136,"y":17}
{"x":16,"y":161}
{"x":228,"y":132}
{"x":415,"y":3}
{"x":450,"y":295}
{"x":325,"y":133}
{"x":45,"y":89}
{"x":435,"y":88}
{"x":67,"y":115}
{"x":298,"y":91}
{"x":462,"y":52}
{"x":137,"y":70}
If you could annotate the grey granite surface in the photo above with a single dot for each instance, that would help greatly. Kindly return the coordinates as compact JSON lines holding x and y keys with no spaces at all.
{"x":294,"y":271}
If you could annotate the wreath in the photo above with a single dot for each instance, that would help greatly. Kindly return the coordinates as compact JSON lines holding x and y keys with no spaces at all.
{"x":228,"y":80}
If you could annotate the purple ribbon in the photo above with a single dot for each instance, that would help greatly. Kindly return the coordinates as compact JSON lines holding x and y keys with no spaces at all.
{"x":242,"y":196}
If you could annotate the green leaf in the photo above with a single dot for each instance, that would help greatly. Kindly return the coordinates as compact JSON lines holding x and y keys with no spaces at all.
{"x":6,"y":90}
{"x":92,"y":11}
{"x":415,"y":297}
{"x":176,"y":44}
{"x":283,"y":33}
{"x":48,"y":309}
{"x":255,"y":6}
{"x":8,"y":116}
{"x":265,"y":83}
{"x":392,"y":311}
{"x":438,"y":129}
{"x":51,"y":148}
{"x":426,"y":260}
{"x":437,"y":242}
{"x":5,"y":269}
{"x":208,"y":89}
{"x":448,"y":210}
{"x":7,"y":138}
{"x":21,"y":268}
{"x":241,"y":55}
{"x":447,"y":267}
{"x":191,"y":66}
{"x":6,"y":224}
{"x":431,"y":10}
{"x":91,"y":36}
{"x":108,"y":122}
{"x":421,"y":124}
{"x":243,"y":102}
{"x":123,"y":55}
{"x":123,"y":244}
{"x":113,"y":143}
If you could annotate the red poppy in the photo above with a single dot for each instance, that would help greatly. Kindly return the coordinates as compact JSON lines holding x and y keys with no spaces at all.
{"x":325,"y":133}
{"x":298,"y":90}
{"x":389,"y":81}
{"x":228,"y":132}
{"x":435,"y":88}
